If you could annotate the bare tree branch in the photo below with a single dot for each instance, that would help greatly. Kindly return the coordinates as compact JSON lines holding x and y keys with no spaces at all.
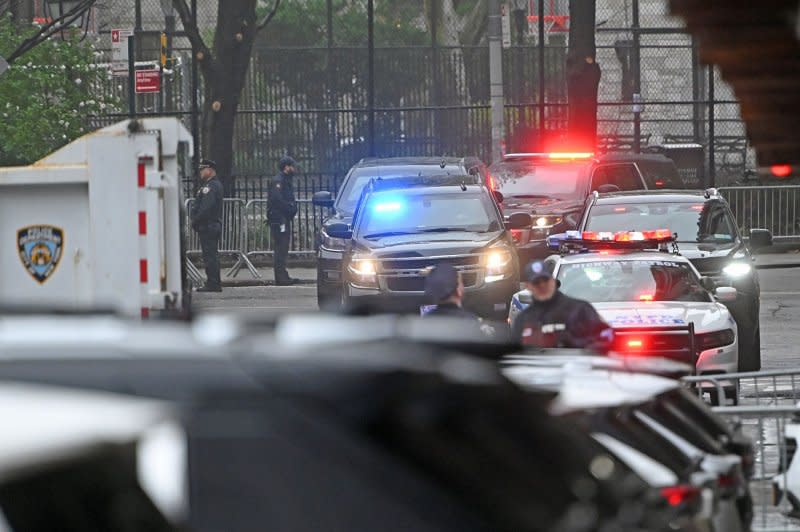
{"x":190,"y":27}
{"x":51,"y":28}
{"x":269,"y":17}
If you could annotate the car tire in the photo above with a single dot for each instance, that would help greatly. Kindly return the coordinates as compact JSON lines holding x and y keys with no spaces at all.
{"x":328,"y":301}
{"x":750,"y":357}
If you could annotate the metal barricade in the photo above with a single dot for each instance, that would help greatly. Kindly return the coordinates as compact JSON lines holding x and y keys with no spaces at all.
{"x":767,"y":406}
{"x":773,"y":207}
{"x":305,"y":228}
{"x":233,"y":240}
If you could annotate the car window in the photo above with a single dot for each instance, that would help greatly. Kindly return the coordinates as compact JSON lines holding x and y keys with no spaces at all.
{"x":661,"y":174}
{"x":671,"y":417}
{"x":521,"y":179}
{"x":696,"y":222}
{"x":390,"y":212}
{"x":623,"y":176}
{"x":350,"y":191}
{"x":631,"y":280}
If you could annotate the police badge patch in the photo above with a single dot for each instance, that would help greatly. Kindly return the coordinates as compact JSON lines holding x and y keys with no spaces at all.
{"x":40,"y":249}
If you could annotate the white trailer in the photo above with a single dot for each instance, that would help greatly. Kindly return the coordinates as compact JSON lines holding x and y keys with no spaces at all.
{"x":97,"y":224}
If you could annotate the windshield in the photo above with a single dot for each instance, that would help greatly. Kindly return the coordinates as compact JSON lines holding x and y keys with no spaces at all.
{"x":693,"y":222}
{"x":388,"y":213}
{"x":631,"y":280}
{"x":351,"y":188}
{"x":528,"y":179}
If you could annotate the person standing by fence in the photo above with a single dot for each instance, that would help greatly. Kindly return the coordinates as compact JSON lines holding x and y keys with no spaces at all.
{"x":207,"y":221}
{"x":281,"y":210}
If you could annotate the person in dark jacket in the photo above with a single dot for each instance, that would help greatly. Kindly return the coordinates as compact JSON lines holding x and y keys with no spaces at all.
{"x":556,"y":320}
{"x":281,"y":210}
{"x":207,"y":221}
{"x":444,"y":287}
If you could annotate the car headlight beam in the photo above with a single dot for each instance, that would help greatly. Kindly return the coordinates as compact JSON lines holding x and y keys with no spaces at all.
{"x":736,"y":270}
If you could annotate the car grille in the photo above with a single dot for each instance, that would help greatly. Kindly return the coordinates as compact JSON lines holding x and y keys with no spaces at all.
{"x":711,"y":266}
{"x":408,"y":274}
{"x":674,"y":345}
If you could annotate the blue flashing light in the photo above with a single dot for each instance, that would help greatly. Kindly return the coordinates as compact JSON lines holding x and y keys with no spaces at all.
{"x":387,"y":207}
{"x":573,"y":235}
{"x":554,"y":241}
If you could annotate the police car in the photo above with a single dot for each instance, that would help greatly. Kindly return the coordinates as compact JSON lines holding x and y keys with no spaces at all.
{"x":654,"y":298}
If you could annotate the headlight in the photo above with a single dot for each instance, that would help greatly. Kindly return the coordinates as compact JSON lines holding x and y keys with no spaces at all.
{"x":363,"y":273}
{"x":737,"y":269}
{"x":333,"y":244}
{"x":546,"y":222}
{"x":497,"y":264}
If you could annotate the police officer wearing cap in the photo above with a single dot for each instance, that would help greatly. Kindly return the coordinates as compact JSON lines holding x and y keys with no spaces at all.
{"x":444,"y":287}
{"x":281,"y":210}
{"x":207,"y":221}
{"x":554,"y":319}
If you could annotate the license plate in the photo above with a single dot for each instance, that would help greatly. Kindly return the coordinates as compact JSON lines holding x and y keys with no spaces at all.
{"x":426,"y":309}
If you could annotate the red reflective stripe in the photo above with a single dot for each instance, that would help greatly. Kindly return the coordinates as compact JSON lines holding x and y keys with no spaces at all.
{"x":145,"y":313}
{"x":141,"y":175}
{"x":142,"y":223}
{"x":143,"y":271}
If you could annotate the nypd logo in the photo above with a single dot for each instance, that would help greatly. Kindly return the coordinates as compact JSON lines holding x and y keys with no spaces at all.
{"x":40,"y":248}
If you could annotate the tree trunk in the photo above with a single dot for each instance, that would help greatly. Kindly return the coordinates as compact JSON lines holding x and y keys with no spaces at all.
{"x":224,"y":75}
{"x":583,"y":75}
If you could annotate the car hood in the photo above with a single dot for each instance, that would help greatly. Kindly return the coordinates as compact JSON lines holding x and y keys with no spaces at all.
{"x":430,"y":244}
{"x":339,"y":217}
{"x":693,"y":251}
{"x":709,"y":316}
{"x":541,"y":205}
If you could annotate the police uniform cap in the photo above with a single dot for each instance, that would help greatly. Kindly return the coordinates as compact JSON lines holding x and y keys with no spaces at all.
{"x":286,"y":161}
{"x":536,"y":270}
{"x":441,"y":282}
{"x":208,"y":163}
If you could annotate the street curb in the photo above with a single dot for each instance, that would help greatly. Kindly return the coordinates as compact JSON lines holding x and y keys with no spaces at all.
{"x":259,"y":282}
{"x":777,"y":266}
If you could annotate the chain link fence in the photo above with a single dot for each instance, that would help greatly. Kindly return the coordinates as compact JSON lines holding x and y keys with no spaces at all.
{"x":309,"y":92}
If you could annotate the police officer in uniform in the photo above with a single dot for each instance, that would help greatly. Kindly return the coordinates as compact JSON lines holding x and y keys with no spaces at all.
{"x":281,"y":210}
{"x":556,"y":320}
{"x":207,"y":221}
{"x":445,"y":287}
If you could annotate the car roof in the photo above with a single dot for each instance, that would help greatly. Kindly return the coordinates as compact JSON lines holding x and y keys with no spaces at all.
{"x":410,"y":161}
{"x":655,"y":196}
{"x":577,"y":258}
{"x":634,"y":157}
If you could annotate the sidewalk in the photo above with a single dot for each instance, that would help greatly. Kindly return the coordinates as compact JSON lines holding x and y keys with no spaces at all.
{"x":306,"y":276}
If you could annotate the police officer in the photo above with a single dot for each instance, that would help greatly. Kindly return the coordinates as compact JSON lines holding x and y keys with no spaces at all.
{"x":207,"y":221}
{"x":554,"y":319}
{"x":445,"y":287}
{"x":281,"y":210}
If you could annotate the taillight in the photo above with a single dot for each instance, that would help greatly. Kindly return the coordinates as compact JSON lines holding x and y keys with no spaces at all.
{"x":715,"y":339}
{"x":516,"y":235}
{"x":645,"y":297}
{"x":679,"y":495}
{"x":659,"y":182}
{"x":635,"y":344}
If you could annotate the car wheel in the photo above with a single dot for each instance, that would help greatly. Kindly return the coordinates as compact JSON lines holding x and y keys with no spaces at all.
{"x":327,"y":300}
{"x":750,"y":356}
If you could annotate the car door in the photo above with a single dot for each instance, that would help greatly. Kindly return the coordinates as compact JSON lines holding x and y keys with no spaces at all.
{"x":624,"y":176}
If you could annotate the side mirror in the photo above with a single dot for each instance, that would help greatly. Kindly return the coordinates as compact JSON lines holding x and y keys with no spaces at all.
{"x":725,"y":294}
{"x":498,"y":196}
{"x":608,"y":187}
{"x":322,"y":199}
{"x":708,"y":283}
{"x":339,"y":230}
{"x":519,"y":220}
{"x":760,"y":238}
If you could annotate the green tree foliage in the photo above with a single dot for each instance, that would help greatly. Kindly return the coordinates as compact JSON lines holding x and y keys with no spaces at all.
{"x":47,"y":97}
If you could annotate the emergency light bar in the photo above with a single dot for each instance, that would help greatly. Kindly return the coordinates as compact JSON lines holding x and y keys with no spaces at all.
{"x":607,"y":240}
{"x":552,"y":156}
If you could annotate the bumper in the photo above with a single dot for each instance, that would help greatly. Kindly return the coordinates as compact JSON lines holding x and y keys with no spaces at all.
{"x":721,"y":360}
{"x":329,"y":272}
{"x":487,"y":301}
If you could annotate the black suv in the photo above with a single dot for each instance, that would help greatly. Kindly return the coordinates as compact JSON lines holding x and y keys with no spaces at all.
{"x":707,"y":235}
{"x":552,"y":187}
{"x":329,"y":250}
{"x":403,"y":227}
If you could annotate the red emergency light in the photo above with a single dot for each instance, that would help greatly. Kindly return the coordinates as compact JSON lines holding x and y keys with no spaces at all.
{"x":628,"y":236}
{"x":635,"y":343}
{"x":781,"y":170}
{"x":569,"y":155}
{"x":645,"y":297}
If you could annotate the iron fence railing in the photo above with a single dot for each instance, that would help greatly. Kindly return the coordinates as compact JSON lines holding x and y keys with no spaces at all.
{"x":768,"y":207}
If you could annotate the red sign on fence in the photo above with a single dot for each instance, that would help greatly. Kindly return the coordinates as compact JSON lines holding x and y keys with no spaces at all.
{"x":148,"y":81}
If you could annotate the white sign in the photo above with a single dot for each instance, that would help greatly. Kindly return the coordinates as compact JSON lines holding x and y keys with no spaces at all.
{"x":506,"y":17}
{"x":119,"y":51}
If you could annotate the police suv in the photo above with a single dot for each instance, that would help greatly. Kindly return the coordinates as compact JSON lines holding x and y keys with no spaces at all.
{"x":654,"y":298}
{"x":402,"y":228}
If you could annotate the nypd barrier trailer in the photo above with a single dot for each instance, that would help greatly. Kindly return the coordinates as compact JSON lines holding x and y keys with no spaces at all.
{"x":97,"y":224}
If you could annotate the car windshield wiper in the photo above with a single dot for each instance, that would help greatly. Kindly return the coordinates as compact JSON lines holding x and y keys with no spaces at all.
{"x":444,"y":230}
{"x":531,"y":196}
{"x":389,"y":233}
